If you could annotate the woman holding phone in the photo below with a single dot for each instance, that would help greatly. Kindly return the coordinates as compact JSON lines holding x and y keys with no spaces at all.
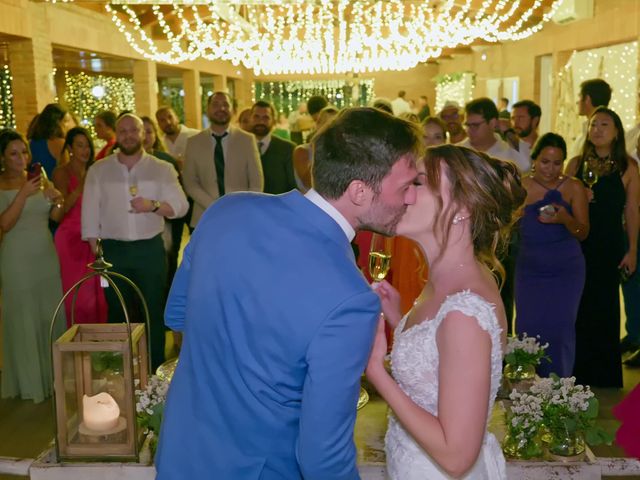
{"x":550,"y":267}
{"x":29,"y":271}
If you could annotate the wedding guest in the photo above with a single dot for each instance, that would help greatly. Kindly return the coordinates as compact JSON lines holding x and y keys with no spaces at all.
{"x":244,"y":119}
{"x":29,"y":272}
{"x":400,"y":104}
{"x":434,"y":131}
{"x":105,"y":126}
{"x":302,"y":155}
{"x":220,"y":159}
{"x":275,"y":153}
{"x":453,"y":116}
{"x":127,"y":197}
{"x":615,"y":196}
{"x":550,"y":267}
{"x":47,"y":141}
{"x":175,"y":134}
{"x":447,"y":354}
{"x":275,"y":344}
{"x":74,"y":253}
{"x":594,"y":93}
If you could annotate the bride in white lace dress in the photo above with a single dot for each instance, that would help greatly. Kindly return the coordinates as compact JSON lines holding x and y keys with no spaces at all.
{"x":447,"y":356}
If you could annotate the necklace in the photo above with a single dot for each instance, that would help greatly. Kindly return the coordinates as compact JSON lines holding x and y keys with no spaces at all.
{"x":601,"y":165}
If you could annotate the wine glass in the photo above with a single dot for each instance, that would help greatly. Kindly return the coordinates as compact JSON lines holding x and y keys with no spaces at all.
{"x":379,"y":256}
{"x":590,"y":177}
{"x":133,"y":188}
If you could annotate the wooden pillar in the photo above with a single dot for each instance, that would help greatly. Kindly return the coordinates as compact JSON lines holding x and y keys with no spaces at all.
{"x":145,"y":87}
{"x":192,"y":99}
{"x":31,"y":63}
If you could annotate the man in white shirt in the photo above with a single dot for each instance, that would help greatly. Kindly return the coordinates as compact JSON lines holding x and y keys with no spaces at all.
{"x":525,"y":115}
{"x":127,"y":196}
{"x":593,"y":93}
{"x":632,"y":140}
{"x":481,"y":122}
{"x":400,"y":105}
{"x":175,"y":134}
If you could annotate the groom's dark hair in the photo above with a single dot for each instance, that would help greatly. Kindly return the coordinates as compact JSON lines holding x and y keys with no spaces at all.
{"x":360,"y":144}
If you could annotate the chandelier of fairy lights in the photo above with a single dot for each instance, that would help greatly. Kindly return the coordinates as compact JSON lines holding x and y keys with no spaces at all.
{"x":322,"y":36}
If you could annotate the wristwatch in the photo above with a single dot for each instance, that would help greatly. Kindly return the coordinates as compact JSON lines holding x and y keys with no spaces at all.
{"x":156,"y":205}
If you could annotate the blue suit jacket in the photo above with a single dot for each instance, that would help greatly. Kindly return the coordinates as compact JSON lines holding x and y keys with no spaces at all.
{"x":278,"y":327}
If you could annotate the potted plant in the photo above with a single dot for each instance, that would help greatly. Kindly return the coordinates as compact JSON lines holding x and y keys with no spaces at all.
{"x":522,"y":356}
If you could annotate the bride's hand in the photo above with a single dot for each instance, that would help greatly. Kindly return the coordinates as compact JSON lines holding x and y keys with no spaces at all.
{"x":390,"y":300}
{"x":376,"y":360}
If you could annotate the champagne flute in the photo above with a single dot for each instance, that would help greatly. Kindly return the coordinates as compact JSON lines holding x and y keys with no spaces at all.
{"x":590,"y":177}
{"x":133,"y":188}
{"x":379,"y":256}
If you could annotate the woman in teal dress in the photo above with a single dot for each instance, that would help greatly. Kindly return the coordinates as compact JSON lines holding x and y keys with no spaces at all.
{"x":29,"y":272}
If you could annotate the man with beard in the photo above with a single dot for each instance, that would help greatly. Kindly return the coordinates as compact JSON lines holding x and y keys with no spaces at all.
{"x":126,"y":198}
{"x":452,"y":117}
{"x":276,"y":153}
{"x":525,"y":115}
{"x":221,"y":159}
{"x":175,"y":134}
{"x":278,"y":321}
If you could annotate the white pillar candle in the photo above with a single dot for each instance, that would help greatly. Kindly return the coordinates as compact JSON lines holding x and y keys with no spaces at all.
{"x":100,"y":412}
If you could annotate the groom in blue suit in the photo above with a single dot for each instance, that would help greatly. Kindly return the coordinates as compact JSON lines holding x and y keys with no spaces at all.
{"x":278,"y":321}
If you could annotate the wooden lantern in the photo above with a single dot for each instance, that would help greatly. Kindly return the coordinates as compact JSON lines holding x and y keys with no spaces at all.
{"x":91,"y":359}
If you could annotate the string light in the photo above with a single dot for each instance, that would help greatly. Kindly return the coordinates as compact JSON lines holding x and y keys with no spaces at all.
{"x":87,"y":96}
{"x":7,"y":117}
{"x":286,"y":96}
{"x":617,"y":65}
{"x":326,"y":37}
{"x":454,"y":87}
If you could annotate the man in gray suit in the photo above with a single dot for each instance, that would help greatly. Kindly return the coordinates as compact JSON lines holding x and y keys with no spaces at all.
{"x":220,"y":159}
{"x":276,"y":153}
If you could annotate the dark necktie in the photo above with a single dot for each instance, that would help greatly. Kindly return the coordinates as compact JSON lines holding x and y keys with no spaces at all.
{"x":260,"y":145}
{"x":218,"y":158}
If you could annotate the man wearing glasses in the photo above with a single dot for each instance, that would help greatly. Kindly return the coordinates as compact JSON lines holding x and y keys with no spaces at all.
{"x":481,"y":123}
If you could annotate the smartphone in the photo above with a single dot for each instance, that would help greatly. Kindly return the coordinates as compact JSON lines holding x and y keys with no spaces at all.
{"x":34,"y":171}
{"x":547,"y":211}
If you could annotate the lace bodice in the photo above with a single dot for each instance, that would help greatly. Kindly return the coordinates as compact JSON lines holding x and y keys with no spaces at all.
{"x":414,"y":363}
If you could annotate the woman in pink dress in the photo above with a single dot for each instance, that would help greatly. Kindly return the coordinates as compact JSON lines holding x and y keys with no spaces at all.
{"x":74,"y":253}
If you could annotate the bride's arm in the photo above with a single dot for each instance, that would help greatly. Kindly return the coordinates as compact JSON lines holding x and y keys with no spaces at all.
{"x":453,"y":438}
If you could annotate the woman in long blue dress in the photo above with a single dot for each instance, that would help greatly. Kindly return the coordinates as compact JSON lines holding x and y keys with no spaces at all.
{"x":550,"y":268}
{"x":29,"y":272}
{"x":615,"y":198}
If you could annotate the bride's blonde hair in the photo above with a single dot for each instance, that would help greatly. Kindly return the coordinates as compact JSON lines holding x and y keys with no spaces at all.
{"x":487,"y":188}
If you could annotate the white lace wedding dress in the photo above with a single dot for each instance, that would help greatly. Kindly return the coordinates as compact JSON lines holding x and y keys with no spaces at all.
{"x":414,"y":361}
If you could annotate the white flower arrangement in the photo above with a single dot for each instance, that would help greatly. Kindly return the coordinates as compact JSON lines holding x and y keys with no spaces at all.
{"x":557,"y":404}
{"x":524,"y":351}
{"x":150,"y":403}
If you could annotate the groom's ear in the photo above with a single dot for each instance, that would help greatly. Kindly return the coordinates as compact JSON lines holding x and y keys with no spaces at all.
{"x":359,"y":193}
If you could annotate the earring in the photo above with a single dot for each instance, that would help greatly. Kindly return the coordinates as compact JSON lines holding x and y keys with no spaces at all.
{"x":459,"y":218}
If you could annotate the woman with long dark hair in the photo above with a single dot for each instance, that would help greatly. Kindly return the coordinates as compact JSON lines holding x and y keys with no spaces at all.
{"x":29,"y":271}
{"x":613,"y":177}
{"x":74,"y":253}
{"x":47,"y":137}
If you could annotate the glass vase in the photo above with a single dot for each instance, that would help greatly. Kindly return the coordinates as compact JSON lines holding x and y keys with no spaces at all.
{"x":518,"y":373}
{"x":565,"y":444}
{"x":521,"y":449}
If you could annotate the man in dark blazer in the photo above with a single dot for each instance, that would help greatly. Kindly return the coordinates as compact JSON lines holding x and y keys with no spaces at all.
{"x":276,"y":153}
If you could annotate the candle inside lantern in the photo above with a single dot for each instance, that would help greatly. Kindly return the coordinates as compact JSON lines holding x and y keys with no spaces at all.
{"x":100,"y":412}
